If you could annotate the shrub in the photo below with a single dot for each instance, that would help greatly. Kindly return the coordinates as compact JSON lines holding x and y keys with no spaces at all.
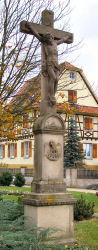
{"x":1,"y":199}
{"x":14,"y":234}
{"x":6,"y":178}
{"x":83,"y":209}
{"x":10,"y":211}
{"x":20,"y":207}
{"x":19,"y":180}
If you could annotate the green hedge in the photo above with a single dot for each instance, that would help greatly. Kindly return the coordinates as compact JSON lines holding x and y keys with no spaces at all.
{"x":6,"y":178}
{"x":19,"y":180}
{"x":83,"y":209}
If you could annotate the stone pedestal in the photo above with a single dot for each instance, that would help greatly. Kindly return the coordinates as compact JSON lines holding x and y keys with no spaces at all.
{"x":48,"y":150}
{"x":53,"y":210}
{"x":48,"y":204}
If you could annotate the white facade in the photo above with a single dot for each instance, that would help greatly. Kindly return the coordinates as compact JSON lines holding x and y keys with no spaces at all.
{"x":19,"y":160}
{"x":86,"y":114}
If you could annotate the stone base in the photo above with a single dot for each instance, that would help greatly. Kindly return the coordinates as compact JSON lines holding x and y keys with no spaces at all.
{"x":51,"y":211}
{"x":48,"y":186}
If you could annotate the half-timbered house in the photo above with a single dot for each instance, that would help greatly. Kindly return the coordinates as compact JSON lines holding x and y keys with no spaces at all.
{"x":75,"y":90}
{"x":80,"y":95}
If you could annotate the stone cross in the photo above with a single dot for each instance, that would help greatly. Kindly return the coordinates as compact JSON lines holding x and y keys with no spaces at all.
{"x":49,"y":38}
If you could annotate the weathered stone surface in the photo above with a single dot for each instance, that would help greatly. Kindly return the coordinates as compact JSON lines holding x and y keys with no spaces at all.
{"x":49,"y":124}
{"x":50,"y":38}
{"x":42,"y":29}
{"x":45,"y":108}
{"x":46,"y":199}
{"x":48,"y":154}
{"x":48,"y":18}
{"x":51,"y":212}
{"x":46,"y":169}
{"x":48,"y":205}
{"x":48,"y":186}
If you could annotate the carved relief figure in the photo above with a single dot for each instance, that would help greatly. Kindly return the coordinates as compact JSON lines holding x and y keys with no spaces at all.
{"x":51,"y":59}
{"x":52,"y":150}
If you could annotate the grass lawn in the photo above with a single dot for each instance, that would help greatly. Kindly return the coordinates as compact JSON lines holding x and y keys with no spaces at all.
{"x":10,"y":197}
{"x":14,"y":189}
{"x":86,"y":233}
{"x":88,"y":196}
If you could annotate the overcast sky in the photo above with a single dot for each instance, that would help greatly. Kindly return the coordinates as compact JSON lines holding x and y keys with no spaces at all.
{"x":84,"y":25}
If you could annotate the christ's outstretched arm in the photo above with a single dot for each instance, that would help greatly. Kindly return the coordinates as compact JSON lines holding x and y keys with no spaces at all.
{"x":34,"y":32}
{"x":63,"y":40}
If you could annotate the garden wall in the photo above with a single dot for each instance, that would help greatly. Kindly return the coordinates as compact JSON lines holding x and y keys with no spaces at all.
{"x":81,"y":178}
{"x":75,"y":177}
{"x":27,"y":172}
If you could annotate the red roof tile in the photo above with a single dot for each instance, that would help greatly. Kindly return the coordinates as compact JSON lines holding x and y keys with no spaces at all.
{"x":80,"y":109}
{"x":89,"y":110}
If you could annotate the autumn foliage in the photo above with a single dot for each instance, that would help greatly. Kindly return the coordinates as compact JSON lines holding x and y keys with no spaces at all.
{"x":20,"y":60}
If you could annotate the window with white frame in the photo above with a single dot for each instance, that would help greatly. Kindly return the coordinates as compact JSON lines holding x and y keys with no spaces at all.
{"x":12,"y":150}
{"x":26,"y":149}
{"x":1,"y":151}
{"x":72,"y":75}
{"x":87,"y":150}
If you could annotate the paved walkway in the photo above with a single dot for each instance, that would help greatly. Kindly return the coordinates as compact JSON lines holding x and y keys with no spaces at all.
{"x":82,"y":190}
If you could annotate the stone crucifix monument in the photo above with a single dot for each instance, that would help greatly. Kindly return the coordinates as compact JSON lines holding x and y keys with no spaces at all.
{"x":48,"y":204}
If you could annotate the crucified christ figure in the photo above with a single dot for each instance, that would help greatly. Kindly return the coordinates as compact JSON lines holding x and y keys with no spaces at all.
{"x":51,"y":60}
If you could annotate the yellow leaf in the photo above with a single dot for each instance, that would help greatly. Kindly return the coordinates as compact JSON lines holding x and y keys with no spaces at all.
{"x":18,"y":131}
{"x":1,"y":72}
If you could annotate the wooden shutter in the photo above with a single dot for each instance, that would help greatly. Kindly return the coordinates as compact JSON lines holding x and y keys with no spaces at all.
{"x":94,"y":150}
{"x":15,"y":149}
{"x":72,"y":96}
{"x":9,"y":150}
{"x":22,"y":149}
{"x":3,"y":151}
{"x":30,"y":148}
{"x":88,"y":123}
{"x":25,"y":119}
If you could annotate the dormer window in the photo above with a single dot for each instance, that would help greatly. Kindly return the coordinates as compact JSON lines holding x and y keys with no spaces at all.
{"x":72,"y":75}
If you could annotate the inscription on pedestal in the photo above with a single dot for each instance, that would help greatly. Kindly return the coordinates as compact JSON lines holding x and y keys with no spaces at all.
{"x":52,"y":150}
